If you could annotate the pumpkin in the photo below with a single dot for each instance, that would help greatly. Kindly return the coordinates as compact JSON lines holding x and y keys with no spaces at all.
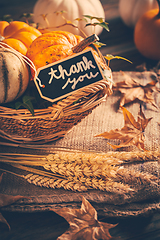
{"x":147,"y":34}
{"x":18,"y":35}
{"x":131,"y":10}
{"x":54,"y":46}
{"x":51,"y":47}
{"x":3,"y":25}
{"x":72,"y":10}
{"x":14,"y":75}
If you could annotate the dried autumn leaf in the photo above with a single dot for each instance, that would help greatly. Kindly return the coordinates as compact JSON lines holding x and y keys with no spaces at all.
{"x":132,"y":90}
{"x":132,"y":133}
{"x":84,"y":224}
{"x":6,"y":200}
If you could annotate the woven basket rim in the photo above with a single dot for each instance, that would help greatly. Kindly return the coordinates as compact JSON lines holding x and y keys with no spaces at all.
{"x":102,"y":85}
{"x":52,"y":123}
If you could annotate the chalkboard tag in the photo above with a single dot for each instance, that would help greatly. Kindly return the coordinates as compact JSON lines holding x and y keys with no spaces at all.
{"x":60,"y":79}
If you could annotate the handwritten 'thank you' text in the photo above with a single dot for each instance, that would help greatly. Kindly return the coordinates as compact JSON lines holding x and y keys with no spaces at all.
{"x":62,"y":78}
{"x":79,"y":67}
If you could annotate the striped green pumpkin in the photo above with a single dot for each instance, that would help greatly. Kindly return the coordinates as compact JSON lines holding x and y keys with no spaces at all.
{"x":14,"y":76}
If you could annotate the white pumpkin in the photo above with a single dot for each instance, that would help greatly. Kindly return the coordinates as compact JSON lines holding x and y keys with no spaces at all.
{"x":73,"y":9}
{"x":14,"y":76}
{"x":131,"y":10}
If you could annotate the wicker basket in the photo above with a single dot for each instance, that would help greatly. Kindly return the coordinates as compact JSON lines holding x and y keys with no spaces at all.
{"x":54,"y":122}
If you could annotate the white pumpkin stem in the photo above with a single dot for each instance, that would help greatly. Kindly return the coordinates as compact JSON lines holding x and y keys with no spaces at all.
{"x":85,"y":43}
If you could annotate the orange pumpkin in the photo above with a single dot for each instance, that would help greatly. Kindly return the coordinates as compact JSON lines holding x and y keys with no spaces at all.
{"x":51,"y":47}
{"x":18,"y":35}
{"x":147,"y":34}
{"x":54,"y":46}
{"x":3,"y":25}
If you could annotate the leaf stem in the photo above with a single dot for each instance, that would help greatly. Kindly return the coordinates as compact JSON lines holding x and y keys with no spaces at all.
{"x":66,"y":23}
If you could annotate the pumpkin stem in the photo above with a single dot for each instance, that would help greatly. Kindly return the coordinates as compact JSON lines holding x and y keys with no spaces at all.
{"x":89,"y":42}
{"x":85,"y":43}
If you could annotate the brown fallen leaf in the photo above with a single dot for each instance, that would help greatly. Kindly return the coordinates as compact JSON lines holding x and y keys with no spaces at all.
{"x":6,"y":200}
{"x":132,"y":133}
{"x":132,"y":90}
{"x":84,"y":223}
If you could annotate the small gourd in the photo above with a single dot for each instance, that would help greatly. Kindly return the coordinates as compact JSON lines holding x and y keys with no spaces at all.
{"x":45,"y":14}
{"x":131,"y":10}
{"x":14,"y":75}
{"x":18,"y":35}
{"x":147,"y":34}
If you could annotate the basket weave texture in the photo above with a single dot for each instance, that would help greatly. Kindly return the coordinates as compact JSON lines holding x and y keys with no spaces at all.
{"x":54,"y":122}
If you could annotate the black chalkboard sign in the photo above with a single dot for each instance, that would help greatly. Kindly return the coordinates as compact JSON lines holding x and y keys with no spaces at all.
{"x":56,"y":81}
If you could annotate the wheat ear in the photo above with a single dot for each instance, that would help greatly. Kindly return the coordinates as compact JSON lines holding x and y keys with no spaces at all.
{"x":82,"y":171}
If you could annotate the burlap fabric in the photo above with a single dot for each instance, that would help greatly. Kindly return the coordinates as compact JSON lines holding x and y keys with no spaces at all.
{"x":82,"y":137}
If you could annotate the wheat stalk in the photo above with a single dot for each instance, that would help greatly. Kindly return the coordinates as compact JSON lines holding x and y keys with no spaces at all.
{"x":134,"y":178}
{"x":83,"y":171}
{"x":80,"y":185}
{"x":136,"y":156}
